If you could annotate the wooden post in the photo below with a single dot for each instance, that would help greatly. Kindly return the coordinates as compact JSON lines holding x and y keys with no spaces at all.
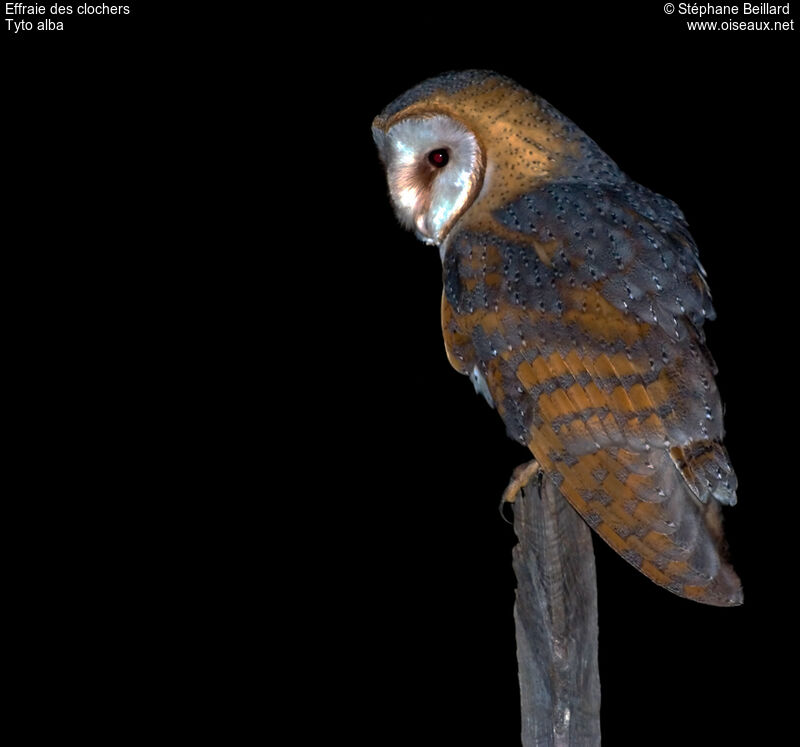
{"x":556,"y":621}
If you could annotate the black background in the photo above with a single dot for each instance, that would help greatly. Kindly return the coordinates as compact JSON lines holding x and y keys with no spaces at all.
{"x":253,"y":476}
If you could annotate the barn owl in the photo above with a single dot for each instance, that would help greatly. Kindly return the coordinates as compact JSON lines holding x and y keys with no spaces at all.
{"x":575,"y":300}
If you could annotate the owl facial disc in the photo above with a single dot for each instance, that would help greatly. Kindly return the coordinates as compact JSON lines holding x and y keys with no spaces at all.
{"x":434,"y":167}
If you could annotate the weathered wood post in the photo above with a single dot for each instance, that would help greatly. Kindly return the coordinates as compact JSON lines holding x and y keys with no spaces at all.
{"x":556,"y":621}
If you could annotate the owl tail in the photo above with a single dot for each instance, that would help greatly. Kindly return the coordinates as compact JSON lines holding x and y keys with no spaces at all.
{"x":641,"y":505}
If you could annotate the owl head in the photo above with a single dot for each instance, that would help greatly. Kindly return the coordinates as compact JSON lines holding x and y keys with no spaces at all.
{"x":434,"y":166}
{"x":468,"y":142}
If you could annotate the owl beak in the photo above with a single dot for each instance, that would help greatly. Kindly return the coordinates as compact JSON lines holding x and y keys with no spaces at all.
{"x":423,"y":233}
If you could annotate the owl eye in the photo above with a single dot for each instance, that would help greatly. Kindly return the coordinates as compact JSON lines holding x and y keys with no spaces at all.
{"x":439,"y":157}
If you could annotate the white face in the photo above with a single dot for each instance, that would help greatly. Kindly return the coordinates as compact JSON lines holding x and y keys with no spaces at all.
{"x":434,"y":167}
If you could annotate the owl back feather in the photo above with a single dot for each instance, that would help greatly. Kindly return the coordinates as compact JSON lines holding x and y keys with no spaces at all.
{"x":619,"y":407}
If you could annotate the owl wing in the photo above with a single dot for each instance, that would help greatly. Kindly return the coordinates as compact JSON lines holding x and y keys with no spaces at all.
{"x":581,"y":310}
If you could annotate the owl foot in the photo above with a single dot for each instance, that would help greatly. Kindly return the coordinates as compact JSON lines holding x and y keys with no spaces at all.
{"x":520,"y":478}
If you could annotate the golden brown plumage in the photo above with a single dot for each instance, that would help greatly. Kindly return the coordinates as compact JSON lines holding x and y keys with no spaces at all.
{"x":574,"y":297}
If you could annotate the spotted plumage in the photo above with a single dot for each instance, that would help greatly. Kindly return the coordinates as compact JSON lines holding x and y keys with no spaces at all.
{"x":575,"y":300}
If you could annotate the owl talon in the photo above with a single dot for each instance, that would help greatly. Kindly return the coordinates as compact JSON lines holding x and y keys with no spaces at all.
{"x":520,"y":478}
